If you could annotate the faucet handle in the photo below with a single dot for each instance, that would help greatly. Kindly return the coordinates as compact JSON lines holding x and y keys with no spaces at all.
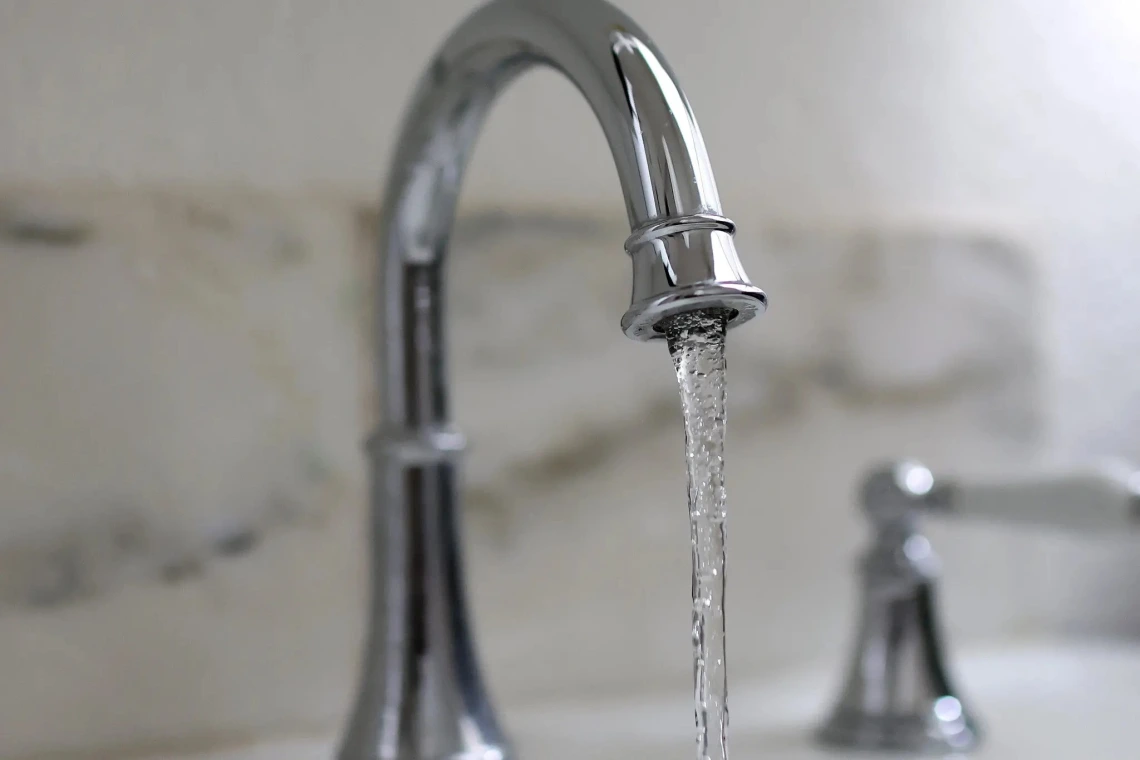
{"x":898,"y":695}
{"x":1094,"y":497}
{"x":1097,"y":498}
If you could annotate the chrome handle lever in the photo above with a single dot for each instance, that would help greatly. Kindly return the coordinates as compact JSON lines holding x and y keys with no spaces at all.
{"x":898,"y":694}
{"x":1094,"y":499}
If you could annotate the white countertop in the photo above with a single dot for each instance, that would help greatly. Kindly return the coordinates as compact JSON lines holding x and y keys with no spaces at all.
{"x":1037,"y":700}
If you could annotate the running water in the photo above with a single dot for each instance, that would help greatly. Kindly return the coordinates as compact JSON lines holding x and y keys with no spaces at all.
{"x":696,"y":341}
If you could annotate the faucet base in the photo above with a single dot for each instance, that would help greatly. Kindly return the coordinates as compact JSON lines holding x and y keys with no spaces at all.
{"x":481,"y":753}
{"x":486,"y":753}
{"x":927,"y":735}
{"x":898,"y":696}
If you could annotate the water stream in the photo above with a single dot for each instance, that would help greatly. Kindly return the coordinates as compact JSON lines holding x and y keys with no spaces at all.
{"x":696,"y":342}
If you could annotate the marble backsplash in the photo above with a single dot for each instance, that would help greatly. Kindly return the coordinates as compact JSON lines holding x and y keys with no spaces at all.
{"x":185,"y":383}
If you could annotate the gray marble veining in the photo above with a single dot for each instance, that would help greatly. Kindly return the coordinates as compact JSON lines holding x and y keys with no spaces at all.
{"x":186,"y":387}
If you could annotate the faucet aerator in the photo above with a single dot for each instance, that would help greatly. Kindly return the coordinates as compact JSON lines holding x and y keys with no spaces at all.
{"x":646,"y":318}
{"x":689,"y":264}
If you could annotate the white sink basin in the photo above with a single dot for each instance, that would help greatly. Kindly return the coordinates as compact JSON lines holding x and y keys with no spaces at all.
{"x":1037,"y":701}
{"x":1041,"y":701}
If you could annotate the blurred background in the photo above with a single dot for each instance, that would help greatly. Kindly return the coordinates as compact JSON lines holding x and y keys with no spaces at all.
{"x":940,"y":198}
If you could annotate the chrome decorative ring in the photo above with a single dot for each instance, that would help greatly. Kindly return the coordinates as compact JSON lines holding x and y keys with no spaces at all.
{"x":661,"y":228}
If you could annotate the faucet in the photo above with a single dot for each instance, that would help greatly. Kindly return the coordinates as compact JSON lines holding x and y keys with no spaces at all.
{"x":420,"y":694}
{"x":899,"y":695}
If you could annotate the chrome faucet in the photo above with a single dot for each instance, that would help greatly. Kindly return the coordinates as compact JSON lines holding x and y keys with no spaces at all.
{"x":898,"y":694}
{"x":421,"y":696}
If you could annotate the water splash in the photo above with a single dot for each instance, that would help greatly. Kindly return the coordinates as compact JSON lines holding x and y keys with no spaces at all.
{"x":696,"y":342}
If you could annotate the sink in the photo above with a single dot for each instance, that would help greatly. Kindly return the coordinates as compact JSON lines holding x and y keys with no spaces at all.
{"x":1040,"y":700}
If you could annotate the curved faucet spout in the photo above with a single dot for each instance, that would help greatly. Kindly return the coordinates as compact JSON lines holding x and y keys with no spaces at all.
{"x":421,"y":696}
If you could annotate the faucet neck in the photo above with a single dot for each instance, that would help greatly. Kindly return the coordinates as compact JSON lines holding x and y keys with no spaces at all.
{"x":680,"y":242}
{"x":421,"y":695}
{"x":655,"y":141}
